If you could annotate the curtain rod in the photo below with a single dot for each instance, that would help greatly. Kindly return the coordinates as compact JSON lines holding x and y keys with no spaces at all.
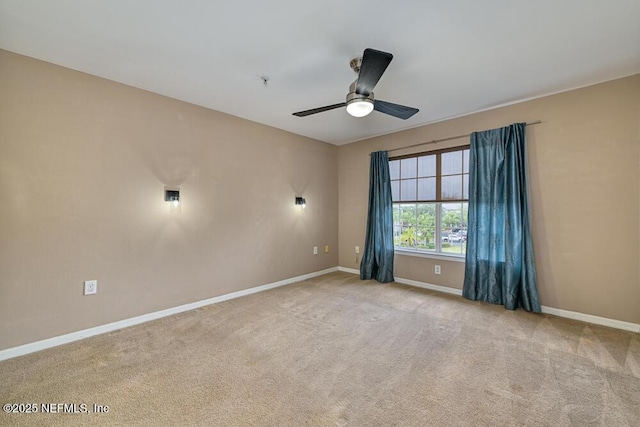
{"x":448,"y":139}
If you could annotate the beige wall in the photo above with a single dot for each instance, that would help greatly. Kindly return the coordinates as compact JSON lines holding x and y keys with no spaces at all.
{"x":83,"y":165}
{"x":585,"y":191}
{"x":84,"y":161}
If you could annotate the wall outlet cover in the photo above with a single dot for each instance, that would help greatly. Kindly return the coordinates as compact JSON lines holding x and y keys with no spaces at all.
{"x":90,"y":287}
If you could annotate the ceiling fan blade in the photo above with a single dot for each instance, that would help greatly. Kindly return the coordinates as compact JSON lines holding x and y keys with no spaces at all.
{"x":374,"y":62}
{"x":400,"y":111}
{"x":319,"y":110}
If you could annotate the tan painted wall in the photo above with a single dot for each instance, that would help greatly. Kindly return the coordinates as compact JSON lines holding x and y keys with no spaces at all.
{"x":585,"y":190}
{"x":83,"y":165}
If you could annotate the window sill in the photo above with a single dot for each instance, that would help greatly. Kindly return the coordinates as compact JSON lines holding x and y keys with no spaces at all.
{"x":421,"y":254}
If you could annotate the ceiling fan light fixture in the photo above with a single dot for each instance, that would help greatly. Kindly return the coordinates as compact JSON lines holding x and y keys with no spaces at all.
{"x":360,"y":100}
{"x":360,"y":107}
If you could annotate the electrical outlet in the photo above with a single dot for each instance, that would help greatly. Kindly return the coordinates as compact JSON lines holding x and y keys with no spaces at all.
{"x":437,"y":270}
{"x":357,"y":249}
{"x":90,"y":287}
{"x":326,"y":249}
{"x":315,"y":250}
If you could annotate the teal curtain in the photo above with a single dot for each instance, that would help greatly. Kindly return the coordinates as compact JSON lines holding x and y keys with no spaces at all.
{"x":377,"y":258}
{"x":500,"y":268}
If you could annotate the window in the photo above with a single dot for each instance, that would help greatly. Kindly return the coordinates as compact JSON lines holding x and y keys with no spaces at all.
{"x":430,"y":201}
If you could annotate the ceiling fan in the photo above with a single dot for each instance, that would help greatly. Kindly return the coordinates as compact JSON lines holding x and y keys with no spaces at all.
{"x":360,"y":100}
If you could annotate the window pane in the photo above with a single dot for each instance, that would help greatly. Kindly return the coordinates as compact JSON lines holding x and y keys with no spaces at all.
{"x":397,"y":224}
{"x":454,"y":227}
{"x":395,"y":190}
{"x":465,"y":186}
{"x":408,"y":167}
{"x":426,"y":239}
{"x":407,"y":212}
{"x":426,"y":188}
{"x":452,"y":187}
{"x":394,"y":169}
{"x":407,"y":225}
{"x":408,"y":189}
{"x":427,"y":165}
{"x":426,"y":226}
{"x":414,"y":226}
{"x":451,"y":162}
{"x":465,"y":161}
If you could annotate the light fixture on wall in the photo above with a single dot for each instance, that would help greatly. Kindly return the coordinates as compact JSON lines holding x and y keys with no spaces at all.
{"x":301,"y":202}
{"x":172,"y":196}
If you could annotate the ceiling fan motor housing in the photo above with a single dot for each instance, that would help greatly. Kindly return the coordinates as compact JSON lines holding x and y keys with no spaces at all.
{"x":355,"y":64}
{"x":353,"y":96}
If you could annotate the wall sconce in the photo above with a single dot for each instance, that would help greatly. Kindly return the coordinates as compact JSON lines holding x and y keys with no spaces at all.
{"x":301,"y":201}
{"x":172,"y":196}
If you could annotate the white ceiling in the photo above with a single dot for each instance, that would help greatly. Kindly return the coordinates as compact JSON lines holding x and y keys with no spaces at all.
{"x":450,"y":57}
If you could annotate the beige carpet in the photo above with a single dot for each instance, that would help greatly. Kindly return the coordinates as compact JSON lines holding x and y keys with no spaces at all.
{"x":337,"y":351}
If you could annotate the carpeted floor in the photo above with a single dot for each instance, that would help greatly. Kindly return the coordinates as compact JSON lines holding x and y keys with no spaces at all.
{"x":337,"y":351}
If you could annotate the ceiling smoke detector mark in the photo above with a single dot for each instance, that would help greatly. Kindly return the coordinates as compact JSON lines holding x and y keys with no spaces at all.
{"x":265,"y":80}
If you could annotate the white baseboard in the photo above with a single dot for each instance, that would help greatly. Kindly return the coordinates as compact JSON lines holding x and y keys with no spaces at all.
{"x":429,"y":286}
{"x":588,"y":318}
{"x":349,"y":270}
{"x":411,"y":282}
{"x":110,"y":327}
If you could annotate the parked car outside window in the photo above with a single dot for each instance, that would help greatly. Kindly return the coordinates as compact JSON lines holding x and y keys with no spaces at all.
{"x":455,"y":238}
